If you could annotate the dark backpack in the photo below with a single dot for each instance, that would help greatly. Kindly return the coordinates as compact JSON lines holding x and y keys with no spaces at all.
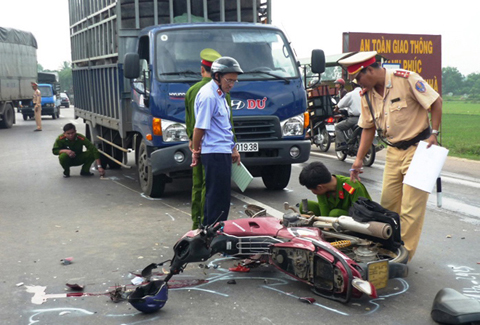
{"x":365,"y":210}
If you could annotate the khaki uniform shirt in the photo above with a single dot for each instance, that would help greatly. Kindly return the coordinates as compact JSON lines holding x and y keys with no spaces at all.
{"x":402,"y":112}
{"x":37,"y":98}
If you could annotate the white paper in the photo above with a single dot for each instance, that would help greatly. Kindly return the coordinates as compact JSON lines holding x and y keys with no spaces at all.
{"x":241,"y":176}
{"x":425,"y":167}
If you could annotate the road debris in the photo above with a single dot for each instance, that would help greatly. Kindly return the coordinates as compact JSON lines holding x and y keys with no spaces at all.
{"x":67,"y":260}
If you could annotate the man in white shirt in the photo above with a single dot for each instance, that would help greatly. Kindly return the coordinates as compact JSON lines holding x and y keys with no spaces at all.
{"x":351,"y":103}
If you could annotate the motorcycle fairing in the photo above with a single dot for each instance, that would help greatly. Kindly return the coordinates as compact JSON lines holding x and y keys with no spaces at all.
{"x":318,"y":264}
{"x":264,"y":226}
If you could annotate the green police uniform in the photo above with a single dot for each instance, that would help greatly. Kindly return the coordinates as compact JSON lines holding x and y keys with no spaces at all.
{"x":85,"y":158}
{"x":338,"y":203}
{"x":198,"y":180}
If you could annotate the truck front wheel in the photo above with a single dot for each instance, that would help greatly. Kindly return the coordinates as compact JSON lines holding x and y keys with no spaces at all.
{"x":276,"y":177}
{"x":8,"y":117}
{"x":151,"y":185}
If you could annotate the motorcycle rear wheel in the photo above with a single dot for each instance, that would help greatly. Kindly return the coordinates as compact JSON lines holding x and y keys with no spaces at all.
{"x":399,"y":255}
{"x":324,"y":140}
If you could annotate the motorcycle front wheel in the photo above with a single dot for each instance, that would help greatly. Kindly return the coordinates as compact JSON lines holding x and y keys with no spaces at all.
{"x":341,"y":155}
{"x":369,"y":158}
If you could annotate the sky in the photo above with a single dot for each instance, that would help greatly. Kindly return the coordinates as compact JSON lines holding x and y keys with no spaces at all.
{"x":309,"y":24}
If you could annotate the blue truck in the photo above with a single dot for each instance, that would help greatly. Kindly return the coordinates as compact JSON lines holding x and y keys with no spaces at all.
{"x":48,"y":86}
{"x":134,"y":60}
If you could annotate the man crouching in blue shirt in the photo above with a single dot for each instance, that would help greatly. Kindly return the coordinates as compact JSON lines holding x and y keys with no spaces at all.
{"x":213,"y":140}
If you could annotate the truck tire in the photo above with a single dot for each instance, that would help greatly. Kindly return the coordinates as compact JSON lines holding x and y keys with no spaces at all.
{"x":276,"y":177}
{"x":151,"y":185}
{"x":8,"y":117}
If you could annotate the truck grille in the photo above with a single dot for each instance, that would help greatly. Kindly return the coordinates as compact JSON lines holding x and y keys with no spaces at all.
{"x":257,"y":128}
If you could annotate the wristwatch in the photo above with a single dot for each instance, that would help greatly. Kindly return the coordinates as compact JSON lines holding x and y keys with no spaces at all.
{"x":435,"y":132}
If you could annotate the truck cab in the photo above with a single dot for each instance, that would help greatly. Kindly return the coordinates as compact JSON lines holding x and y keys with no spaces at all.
{"x":49,"y":106}
{"x":268,"y":102}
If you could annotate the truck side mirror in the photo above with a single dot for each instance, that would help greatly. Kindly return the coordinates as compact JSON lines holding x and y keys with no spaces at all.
{"x":318,"y":61}
{"x":131,"y":66}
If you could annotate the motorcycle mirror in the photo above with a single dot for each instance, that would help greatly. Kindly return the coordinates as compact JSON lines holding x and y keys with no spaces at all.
{"x":147,"y":271}
{"x":365,"y":287}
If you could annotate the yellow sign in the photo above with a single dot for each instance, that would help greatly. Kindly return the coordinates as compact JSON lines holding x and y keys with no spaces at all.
{"x":377,"y":273}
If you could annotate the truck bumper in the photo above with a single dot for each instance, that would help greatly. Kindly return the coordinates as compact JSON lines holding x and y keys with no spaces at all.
{"x":270,"y":153}
{"x":30,"y":112}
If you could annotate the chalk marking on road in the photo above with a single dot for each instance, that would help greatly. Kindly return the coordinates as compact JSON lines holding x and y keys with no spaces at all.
{"x":151,"y":198}
{"x":42,"y":311}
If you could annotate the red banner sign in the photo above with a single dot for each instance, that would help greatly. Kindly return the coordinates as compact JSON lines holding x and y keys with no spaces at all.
{"x":418,"y":53}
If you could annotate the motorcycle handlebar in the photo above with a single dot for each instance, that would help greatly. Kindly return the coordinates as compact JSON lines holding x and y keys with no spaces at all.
{"x":212,"y":230}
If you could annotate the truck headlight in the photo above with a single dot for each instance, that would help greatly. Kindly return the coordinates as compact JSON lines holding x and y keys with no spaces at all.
{"x":174,"y":131}
{"x":292,"y":126}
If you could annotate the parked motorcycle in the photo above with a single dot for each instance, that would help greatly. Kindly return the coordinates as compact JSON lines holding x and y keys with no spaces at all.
{"x":320,"y":108}
{"x":337,"y":257}
{"x":353,"y":136}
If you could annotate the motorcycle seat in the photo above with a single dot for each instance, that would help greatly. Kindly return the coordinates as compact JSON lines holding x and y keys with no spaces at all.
{"x":452,"y":307}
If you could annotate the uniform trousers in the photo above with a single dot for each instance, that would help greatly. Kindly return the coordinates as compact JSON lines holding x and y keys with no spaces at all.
{"x":218,"y":174}
{"x":85,"y":158}
{"x":198,"y":195}
{"x":343,"y":126}
{"x":409,"y":202}
{"x":38,"y":117}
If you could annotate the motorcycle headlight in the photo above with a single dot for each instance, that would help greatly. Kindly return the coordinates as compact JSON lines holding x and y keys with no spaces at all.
{"x":174,"y":131}
{"x":292,"y":126}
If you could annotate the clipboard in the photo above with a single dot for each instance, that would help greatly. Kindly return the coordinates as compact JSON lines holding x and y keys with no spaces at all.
{"x":241,"y":176}
{"x":425,"y":167}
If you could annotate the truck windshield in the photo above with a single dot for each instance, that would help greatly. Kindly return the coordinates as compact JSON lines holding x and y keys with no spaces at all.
{"x":46,"y":91}
{"x":256,"y":49}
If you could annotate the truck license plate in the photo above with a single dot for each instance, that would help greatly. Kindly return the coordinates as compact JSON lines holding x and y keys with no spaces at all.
{"x":377,"y":273}
{"x":330,"y":127}
{"x":247,"y":147}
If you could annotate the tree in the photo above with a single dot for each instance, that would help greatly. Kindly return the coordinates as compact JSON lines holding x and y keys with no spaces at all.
{"x":452,"y":81}
{"x":65,"y":77}
{"x":472,"y":85}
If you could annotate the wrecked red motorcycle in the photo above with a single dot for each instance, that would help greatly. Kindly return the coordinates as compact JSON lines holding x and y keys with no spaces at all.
{"x":340,"y":258}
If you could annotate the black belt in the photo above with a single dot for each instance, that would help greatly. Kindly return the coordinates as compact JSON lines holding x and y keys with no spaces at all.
{"x":404,"y":145}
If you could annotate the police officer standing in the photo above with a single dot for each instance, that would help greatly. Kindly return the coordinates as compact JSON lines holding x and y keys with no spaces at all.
{"x":37,"y":106}
{"x":213,"y":139}
{"x":396,"y":104}
{"x":69,"y":149}
{"x":207,"y":57}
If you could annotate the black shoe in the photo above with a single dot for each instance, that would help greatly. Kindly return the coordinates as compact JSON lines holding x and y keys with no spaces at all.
{"x":66,"y":175}
{"x":86,"y":174}
{"x":37,"y":130}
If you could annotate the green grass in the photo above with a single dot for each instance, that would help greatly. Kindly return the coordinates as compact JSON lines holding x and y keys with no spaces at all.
{"x":461,"y":129}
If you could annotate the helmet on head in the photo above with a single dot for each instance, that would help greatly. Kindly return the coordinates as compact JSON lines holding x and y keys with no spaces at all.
{"x":150,"y":297}
{"x":226,"y":64}
{"x":340,"y":81}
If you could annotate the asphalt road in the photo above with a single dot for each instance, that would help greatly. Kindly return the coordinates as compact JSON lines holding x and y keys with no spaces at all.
{"x":110,"y":229}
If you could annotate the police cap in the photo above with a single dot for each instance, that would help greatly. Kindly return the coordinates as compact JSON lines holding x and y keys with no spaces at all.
{"x":358,"y":61}
{"x":208,"y":56}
